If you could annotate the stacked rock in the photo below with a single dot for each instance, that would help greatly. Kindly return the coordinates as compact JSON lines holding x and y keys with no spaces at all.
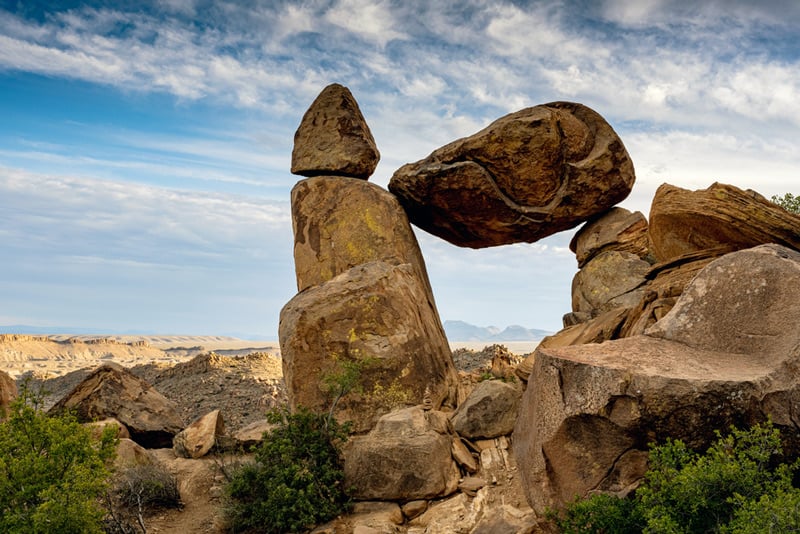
{"x":364,"y":303}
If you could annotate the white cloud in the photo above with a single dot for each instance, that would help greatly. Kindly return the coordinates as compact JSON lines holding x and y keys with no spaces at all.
{"x":371,"y":19}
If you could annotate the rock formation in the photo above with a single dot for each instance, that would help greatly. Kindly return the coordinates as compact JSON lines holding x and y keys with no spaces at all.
{"x":727,"y":353}
{"x":8,"y":392}
{"x":113,"y":391}
{"x":490,"y":410}
{"x":200,"y":437}
{"x":333,"y":138}
{"x":617,"y":229}
{"x":403,"y":458}
{"x":722,"y":216}
{"x":364,"y":304}
{"x":378,"y":317}
{"x":527,"y":175}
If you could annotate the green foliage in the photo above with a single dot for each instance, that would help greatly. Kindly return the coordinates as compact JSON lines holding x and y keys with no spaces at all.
{"x":789,"y":202}
{"x":346,"y":378}
{"x":732,"y":488}
{"x":296,"y":480}
{"x":52,"y":472}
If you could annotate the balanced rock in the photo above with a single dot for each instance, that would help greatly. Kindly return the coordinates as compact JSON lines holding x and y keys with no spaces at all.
{"x":379,"y":319}
{"x":200,"y":437}
{"x":721,"y":216}
{"x":617,"y":229}
{"x":489,"y":411}
{"x":725,"y":354}
{"x":610,"y":280}
{"x":343,"y":222}
{"x":8,"y":392}
{"x":333,"y":138}
{"x":527,"y":175}
{"x":113,"y":391}
{"x":401,"y":459}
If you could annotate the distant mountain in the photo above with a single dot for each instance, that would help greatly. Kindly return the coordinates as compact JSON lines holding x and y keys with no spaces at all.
{"x":462,"y":331}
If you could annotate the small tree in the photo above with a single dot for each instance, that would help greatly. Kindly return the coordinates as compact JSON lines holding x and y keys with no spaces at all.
{"x":52,"y":473}
{"x":296,"y":480}
{"x":789,"y":202}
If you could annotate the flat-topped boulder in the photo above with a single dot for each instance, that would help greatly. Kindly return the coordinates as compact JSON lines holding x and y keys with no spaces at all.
{"x":721,"y":216}
{"x":725,"y":354}
{"x":527,"y":175}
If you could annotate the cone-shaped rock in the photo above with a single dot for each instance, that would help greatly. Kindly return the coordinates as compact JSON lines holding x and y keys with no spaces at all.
{"x":727,"y":353}
{"x":527,"y":175}
{"x":683,"y":221}
{"x":333,"y":138}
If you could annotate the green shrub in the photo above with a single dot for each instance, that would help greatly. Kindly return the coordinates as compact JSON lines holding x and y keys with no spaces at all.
{"x":52,"y":473}
{"x":789,"y":202}
{"x":296,"y":480}
{"x":730,"y":488}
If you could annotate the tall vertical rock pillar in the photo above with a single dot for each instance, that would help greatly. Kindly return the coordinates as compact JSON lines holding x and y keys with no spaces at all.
{"x":365,"y":305}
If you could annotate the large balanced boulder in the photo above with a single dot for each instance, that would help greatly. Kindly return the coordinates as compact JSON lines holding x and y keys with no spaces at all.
{"x":333,"y":138}
{"x":376,"y":319}
{"x":726,"y":353}
{"x":527,"y":175}
{"x":343,"y":222}
{"x":682,"y":221}
{"x":112,"y":391}
{"x":403,"y":458}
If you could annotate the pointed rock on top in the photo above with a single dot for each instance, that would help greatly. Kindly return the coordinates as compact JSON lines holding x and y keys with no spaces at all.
{"x":333,"y":138}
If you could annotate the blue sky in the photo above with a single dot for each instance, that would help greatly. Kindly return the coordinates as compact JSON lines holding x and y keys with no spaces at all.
{"x":145,"y":146}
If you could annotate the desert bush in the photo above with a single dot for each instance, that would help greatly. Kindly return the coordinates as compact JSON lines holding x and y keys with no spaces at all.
{"x":52,"y":472}
{"x":732,"y":487}
{"x":789,"y":202}
{"x":138,"y":491}
{"x":296,"y":479}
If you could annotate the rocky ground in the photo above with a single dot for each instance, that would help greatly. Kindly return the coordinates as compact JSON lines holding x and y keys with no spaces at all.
{"x":244,"y":387}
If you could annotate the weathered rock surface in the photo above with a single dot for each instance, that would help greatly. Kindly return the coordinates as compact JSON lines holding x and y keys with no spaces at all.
{"x":527,"y":175}
{"x":342,"y":222}
{"x":130,"y":454}
{"x":200,"y":437}
{"x":378,"y":314}
{"x":8,"y":392}
{"x":683,"y":221}
{"x":489,"y":411}
{"x":402,"y":459}
{"x":113,"y":391}
{"x":612,"y":279}
{"x":333,"y":138}
{"x":617,"y":229}
{"x":727,"y":353}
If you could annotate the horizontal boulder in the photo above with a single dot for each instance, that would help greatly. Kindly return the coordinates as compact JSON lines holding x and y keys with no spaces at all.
{"x":402,"y":459}
{"x":721,"y":216}
{"x":726,"y":353}
{"x":527,"y":175}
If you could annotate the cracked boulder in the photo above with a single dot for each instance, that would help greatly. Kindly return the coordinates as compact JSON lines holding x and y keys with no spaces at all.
{"x":526,"y":176}
{"x":726,"y":353}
